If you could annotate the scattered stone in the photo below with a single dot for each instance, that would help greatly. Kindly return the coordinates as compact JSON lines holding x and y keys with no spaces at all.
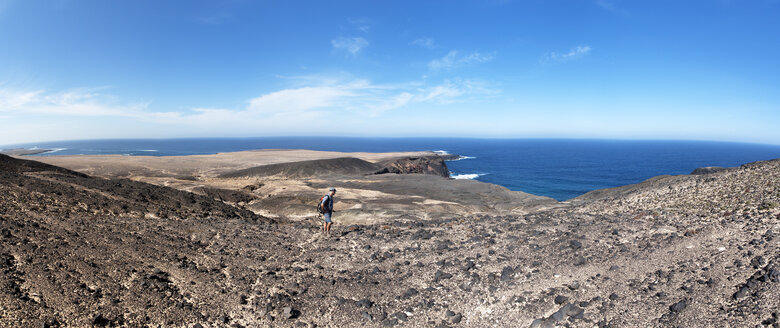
{"x":506,"y":273}
{"x":560,"y":299}
{"x":411,"y":292}
{"x":758,"y":262}
{"x":100,"y":320}
{"x":289,"y":313}
{"x":469,"y":265}
{"x":580,"y":260}
{"x":575,"y":244}
{"x":441,"y":275}
{"x":679,"y":306}
{"x":364,"y":303}
{"x":742,"y":292}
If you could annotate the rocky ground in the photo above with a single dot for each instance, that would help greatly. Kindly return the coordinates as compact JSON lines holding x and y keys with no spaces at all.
{"x":682,"y":251}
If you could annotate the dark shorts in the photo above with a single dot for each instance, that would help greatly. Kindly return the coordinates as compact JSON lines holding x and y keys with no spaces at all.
{"x":327,"y":217}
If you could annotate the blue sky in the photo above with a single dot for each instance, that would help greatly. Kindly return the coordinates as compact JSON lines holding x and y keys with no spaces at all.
{"x":705,"y":70}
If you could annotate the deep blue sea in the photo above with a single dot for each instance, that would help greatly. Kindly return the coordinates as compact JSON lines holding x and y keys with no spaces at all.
{"x":557,"y":168}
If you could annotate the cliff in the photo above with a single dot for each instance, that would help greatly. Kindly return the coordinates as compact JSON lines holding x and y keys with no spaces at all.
{"x":415,"y":165}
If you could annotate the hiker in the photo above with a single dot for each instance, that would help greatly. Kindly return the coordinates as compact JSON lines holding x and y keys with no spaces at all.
{"x":327,"y":209}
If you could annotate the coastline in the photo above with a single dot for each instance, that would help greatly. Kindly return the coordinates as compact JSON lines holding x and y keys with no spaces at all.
{"x":376,"y":186}
{"x":155,"y":169}
{"x":562,"y":169}
{"x":233,"y":249}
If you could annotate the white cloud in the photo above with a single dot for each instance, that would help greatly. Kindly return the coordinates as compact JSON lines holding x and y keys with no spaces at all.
{"x":13,"y":99}
{"x":290,"y":110}
{"x":356,"y":95}
{"x":317,"y":95}
{"x":75,"y":102}
{"x":350,"y":45}
{"x":323,"y":96}
{"x":444,"y":93}
{"x":427,"y":43}
{"x":573,"y":53}
{"x":291,"y":100}
{"x":453,"y":60}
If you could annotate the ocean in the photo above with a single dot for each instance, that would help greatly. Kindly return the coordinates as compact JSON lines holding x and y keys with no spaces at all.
{"x":557,"y":168}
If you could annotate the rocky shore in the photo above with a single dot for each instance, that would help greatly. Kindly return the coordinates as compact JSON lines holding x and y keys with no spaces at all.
{"x":674,"y":251}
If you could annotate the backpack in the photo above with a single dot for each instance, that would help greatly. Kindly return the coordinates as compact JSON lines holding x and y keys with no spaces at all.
{"x":319,"y":205}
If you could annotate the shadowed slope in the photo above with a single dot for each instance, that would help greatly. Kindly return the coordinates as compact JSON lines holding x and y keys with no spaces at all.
{"x":320,"y":167}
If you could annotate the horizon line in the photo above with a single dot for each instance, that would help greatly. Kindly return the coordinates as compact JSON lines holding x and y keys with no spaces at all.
{"x":17,"y":145}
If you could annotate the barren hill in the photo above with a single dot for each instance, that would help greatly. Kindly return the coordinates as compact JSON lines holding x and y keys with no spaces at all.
{"x":311,"y":168}
{"x":687,"y":251}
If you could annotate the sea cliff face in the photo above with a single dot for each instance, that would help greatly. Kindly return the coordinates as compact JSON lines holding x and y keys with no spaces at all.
{"x":688,"y":251}
{"x":420,"y":165}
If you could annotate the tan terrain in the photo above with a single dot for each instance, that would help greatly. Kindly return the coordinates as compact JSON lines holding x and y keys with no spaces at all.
{"x":287,"y":183}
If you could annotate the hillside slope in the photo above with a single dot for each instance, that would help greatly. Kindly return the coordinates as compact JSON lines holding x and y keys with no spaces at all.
{"x":694,"y":251}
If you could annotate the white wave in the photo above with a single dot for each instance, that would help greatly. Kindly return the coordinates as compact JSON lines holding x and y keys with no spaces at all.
{"x":55,"y":150}
{"x":441,"y":152}
{"x":150,"y":150}
{"x":462,"y":157}
{"x":467,"y":176}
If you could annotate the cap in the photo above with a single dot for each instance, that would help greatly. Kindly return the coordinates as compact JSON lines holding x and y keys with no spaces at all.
{"x":331,"y":189}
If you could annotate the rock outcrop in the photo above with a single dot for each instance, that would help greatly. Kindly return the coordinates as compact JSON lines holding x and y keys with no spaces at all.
{"x":709,"y":170}
{"x":415,"y":165}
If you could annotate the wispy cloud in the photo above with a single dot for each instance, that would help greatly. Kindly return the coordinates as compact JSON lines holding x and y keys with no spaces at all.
{"x":361,"y":24}
{"x":313,"y":97}
{"x":427,"y":43}
{"x":76,"y":102}
{"x":301,"y":99}
{"x":351,"y":45}
{"x":609,"y":6}
{"x":453,"y":60}
{"x":357,"y":96}
{"x":573,"y":53}
{"x":15,"y":99}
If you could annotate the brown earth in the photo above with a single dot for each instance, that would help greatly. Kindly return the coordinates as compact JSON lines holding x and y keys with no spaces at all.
{"x":682,"y":251}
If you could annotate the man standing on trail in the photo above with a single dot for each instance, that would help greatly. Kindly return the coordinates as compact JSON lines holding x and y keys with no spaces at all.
{"x":327,"y":209}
